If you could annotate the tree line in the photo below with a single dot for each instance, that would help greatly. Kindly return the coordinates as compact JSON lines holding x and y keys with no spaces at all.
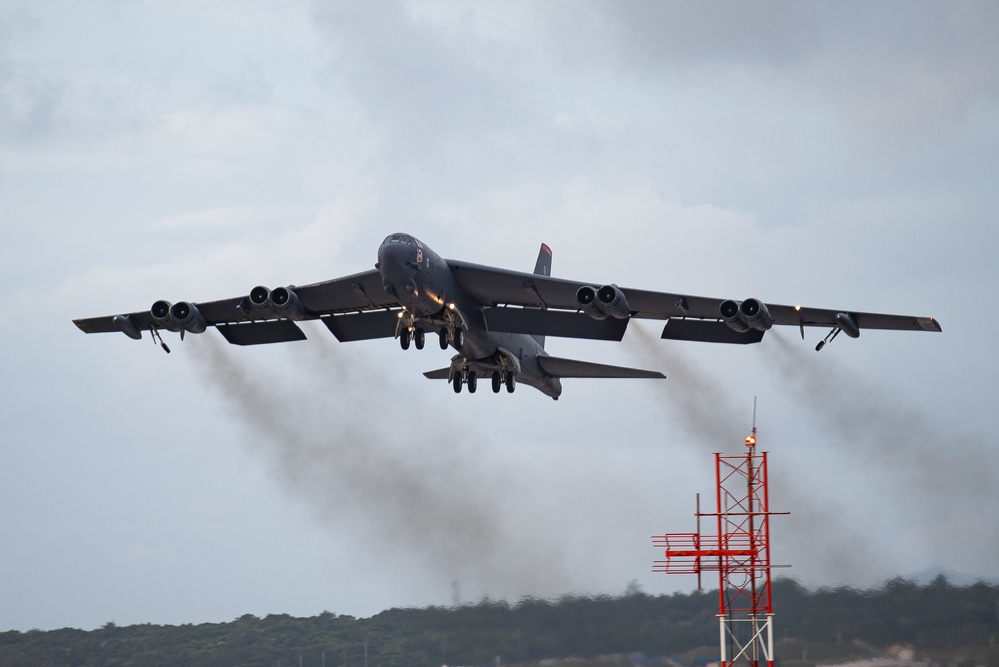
{"x":939,"y":622}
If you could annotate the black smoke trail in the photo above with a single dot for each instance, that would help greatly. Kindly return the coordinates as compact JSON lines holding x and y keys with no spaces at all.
{"x":818,"y":532}
{"x":941,"y":485}
{"x":399,"y":480}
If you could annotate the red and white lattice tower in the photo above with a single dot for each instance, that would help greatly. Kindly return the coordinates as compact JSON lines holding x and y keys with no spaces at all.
{"x":739,"y":551}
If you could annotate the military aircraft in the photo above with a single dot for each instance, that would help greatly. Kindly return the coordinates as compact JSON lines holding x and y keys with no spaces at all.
{"x":495,"y":319}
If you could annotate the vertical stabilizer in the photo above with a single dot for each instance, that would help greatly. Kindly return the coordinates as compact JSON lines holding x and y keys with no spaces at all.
{"x":543,"y":267}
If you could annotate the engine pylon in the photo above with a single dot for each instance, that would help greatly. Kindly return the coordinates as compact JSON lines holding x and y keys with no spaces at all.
{"x":739,"y":552}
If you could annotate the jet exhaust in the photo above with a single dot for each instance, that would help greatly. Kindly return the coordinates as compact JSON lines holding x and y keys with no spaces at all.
{"x":349,"y":469}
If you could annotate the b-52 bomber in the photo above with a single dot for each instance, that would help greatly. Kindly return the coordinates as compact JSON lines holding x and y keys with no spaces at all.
{"x":495,"y":319}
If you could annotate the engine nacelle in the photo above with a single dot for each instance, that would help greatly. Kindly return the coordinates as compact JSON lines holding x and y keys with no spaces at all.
{"x":732,"y":315}
{"x":586,"y":299}
{"x":284,"y":303}
{"x":277,"y":302}
{"x":607,"y":301}
{"x":257,"y":303}
{"x":610,"y":299}
{"x":741,"y":316}
{"x":187,"y":317}
{"x":754,"y":313}
{"x":160,"y":312}
{"x":259,"y":296}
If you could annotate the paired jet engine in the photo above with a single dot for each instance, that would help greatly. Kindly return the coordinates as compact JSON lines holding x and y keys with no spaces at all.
{"x":741,"y":316}
{"x":601,"y":303}
{"x":278,"y":302}
{"x":180,"y":316}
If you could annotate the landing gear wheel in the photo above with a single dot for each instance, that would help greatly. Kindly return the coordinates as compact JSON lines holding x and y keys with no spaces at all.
{"x":404,"y":339}
{"x":443,"y":338}
{"x":497,"y":382}
{"x":419,"y":338}
{"x":457,"y":338}
{"x":511,"y":382}
{"x":473,"y":381}
{"x":456,"y":381}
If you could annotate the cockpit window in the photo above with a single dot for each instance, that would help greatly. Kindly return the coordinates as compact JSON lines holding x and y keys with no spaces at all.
{"x":398,"y":238}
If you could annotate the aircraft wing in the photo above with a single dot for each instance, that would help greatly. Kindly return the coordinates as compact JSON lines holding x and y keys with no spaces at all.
{"x":500,"y":287}
{"x":353,"y":307}
{"x":528,"y":303}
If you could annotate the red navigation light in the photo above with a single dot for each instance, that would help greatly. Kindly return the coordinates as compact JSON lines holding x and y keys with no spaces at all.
{"x":750,"y":441}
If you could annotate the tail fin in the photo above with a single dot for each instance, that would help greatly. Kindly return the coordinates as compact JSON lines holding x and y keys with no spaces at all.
{"x":543,"y":267}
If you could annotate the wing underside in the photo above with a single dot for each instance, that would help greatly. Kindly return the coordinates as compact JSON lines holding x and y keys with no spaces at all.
{"x":352,"y":308}
{"x":708,"y":331}
{"x":528,"y":303}
{"x":258,"y":333}
{"x":563,"y":323}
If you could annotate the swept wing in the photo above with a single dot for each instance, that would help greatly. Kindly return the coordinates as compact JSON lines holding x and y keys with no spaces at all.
{"x":361,"y":307}
{"x":526,"y":303}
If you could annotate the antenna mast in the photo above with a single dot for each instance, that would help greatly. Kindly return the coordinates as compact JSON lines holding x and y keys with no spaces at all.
{"x":739,"y":552}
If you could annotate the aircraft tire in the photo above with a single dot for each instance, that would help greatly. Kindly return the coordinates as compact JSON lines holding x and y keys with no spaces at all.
{"x":456,"y":382}
{"x":419,"y":338}
{"x":511,"y":382}
{"x":497,"y":382}
{"x":443,"y":338}
{"x":473,"y":382}
{"x":457,"y":338}
{"x":404,"y":339}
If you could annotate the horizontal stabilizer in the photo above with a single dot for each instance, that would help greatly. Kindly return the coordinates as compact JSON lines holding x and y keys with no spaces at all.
{"x":539,"y":322}
{"x":708,"y":331}
{"x":363,"y":326}
{"x":259,"y":333}
{"x":572,"y":368}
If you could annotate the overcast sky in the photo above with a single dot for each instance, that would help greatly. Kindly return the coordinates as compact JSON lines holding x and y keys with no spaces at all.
{"x":839,"y":155}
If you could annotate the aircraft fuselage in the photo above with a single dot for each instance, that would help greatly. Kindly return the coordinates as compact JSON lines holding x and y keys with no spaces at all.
{"x":432,"y":299}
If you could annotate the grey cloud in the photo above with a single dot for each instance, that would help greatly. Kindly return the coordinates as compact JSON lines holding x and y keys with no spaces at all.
{"x":890,"y":69}
{"x":839,"y":157}
{"x":29,"y":103}
{"x":409,"y":75}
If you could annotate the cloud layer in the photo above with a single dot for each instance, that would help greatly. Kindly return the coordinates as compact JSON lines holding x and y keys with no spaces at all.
{"x":837,"y":156}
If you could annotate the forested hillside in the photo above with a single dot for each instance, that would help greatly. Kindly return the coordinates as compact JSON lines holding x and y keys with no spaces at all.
{"x":939,"y":622}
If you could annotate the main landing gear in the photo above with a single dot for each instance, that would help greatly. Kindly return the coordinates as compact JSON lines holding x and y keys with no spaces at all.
{"x":418,"y":337}
{"x":471,"y":380}
{"x":412,"y":329}
{"x":500,"y":379}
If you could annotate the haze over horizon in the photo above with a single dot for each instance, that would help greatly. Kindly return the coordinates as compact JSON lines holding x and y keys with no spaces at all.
{"x":838,"y":156}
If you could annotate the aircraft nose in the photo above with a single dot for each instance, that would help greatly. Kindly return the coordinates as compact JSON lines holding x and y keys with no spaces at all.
{"x":393,"y":262}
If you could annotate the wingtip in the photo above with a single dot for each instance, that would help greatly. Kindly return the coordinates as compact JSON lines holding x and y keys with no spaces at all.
{"x":929,"y":323}
{"x":83,"y":326}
